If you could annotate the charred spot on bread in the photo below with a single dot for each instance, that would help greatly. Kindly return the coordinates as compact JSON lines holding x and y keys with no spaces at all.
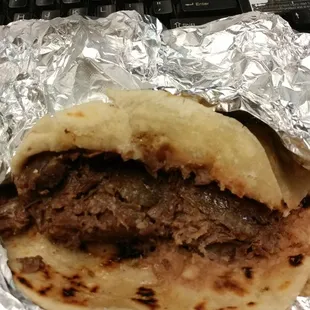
{"x":24,"y":281}
{"x":69,"y":292}
{"x":145,"y":292}
{"x":284,"y":285}
{"x":43,"y":291}
{"x":226,"y":283}
{"x":146,"y":296}
{"x":248,"y":272}
{"x":296,"y":260}
{"x":95,"y":289}
{"x":201,"y":306}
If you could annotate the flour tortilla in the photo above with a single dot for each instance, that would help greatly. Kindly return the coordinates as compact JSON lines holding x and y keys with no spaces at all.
{"x":167,"y":131}
{"x":76,"y":280}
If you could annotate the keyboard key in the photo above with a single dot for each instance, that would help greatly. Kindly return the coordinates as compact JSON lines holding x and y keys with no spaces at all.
{"x":245,"y":6}
{"x":105,"y":10}
{"x":138,"y":6}
{"x":301,"y":17}
{"x":207,"y":5}
{"x":70,"y":1}
{"x":174,"y":13}
{"x":78,"y":11}
{"x":162,"y":7}
{"x":50,"y":14}
{"x":21,"y":16}
{"x":13,"y":4}
{"x":44,"y":2}
{"x":195,"y":21}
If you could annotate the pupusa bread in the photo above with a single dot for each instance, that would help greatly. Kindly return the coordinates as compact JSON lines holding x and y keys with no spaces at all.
{"x":167,"y":131}
{"x":76,"y":280}
{"x":167,"y":134}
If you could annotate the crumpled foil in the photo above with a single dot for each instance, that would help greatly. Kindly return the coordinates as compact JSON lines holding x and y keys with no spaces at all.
{"x":253,"y":62}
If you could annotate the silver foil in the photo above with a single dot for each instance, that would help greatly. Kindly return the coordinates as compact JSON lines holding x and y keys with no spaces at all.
{"x":253,"y":62}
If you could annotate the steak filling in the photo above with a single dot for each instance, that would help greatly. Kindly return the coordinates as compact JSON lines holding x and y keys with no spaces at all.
{"x":75,"y":197}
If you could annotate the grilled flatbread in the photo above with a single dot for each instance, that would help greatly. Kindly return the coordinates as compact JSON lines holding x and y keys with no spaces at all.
{"x":154,"y":201}
{"x":165,"y":132}
{"x":166,"y":280}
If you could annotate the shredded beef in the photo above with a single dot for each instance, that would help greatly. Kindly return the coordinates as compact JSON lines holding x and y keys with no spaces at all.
{"x":75,"y":198}
{"x":42,"y":173}
{"x":32,"y":264}
{"x":13,"y":216}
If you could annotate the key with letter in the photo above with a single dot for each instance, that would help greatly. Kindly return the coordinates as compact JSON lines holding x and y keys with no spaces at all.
{"x":50,"y":14}
{"x":21,"y":16}
{"x":105,"y":10}
{"x":138,"y":6}
{"x":162,"y":7}
{"x":78,"y":11}
{"x":195,"y":21}
{"x":207,"y":5}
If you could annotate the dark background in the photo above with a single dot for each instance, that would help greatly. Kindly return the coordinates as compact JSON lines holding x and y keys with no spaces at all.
{"x":173,"y":13}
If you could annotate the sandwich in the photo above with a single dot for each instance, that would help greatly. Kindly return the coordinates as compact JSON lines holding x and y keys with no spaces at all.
{"x":155,"y":201}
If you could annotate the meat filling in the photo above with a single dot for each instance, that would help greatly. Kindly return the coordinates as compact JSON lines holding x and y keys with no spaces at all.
{"x":13,"y":216}
{"x":32,"y":264}
{"x":75,"y":198}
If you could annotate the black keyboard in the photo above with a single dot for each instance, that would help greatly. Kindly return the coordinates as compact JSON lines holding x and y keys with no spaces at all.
{"x":299,"y":19}
{"x":173,"y":13}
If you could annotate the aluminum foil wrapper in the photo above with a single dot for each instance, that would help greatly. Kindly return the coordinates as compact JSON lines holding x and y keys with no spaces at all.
{"x":253,"y":62}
